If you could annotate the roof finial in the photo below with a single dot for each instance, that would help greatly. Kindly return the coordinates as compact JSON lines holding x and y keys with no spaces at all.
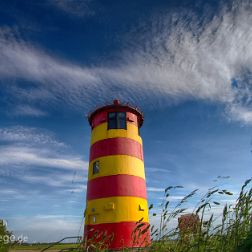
{"x":116,"y":102}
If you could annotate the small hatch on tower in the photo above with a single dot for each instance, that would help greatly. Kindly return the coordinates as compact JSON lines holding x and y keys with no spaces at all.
{"x":96,"y":167}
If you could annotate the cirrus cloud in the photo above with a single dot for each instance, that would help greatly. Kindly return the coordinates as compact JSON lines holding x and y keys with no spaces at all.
{"x":176,"y":59}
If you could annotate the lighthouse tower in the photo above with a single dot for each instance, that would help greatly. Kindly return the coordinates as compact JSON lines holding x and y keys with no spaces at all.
{"x":116,"y":200}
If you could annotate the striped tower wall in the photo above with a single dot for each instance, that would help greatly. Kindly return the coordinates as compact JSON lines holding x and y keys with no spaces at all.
{"x":116,"y":195}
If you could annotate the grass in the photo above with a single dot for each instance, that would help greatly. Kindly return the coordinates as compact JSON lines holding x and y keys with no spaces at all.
{"x":41,"y":246}
{"x":229,"y":232}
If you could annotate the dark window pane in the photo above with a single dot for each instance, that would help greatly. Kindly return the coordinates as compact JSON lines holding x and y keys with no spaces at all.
{"x":112,"y":115}
{"x":112,"y":124}
{"x":122,"y":115}
{"x":121,"y":120}
{"x":112,"y":120}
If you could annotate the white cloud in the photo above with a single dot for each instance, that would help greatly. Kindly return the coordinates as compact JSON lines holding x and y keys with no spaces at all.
{"x":175,"y":60}
{"x":26,"y":110}
{"x":61,"y":180}
{"x":39,"y":157}
{"x":79,"y":8}
{"x":39,"y":172}
{"x":239,"y":113}
{"x":182,"y":65}
{"x":49,"y":228}
{"x":8,"y":191}
{"x":25,"y":150}
{"x":25,"y":61}
{"x":159,"y":170}
{"x":155,"y":189}
{"x":80,"y":189}
{"x":173,"y":198}
{"x":55,"y":80}
{"x":30,"y":136}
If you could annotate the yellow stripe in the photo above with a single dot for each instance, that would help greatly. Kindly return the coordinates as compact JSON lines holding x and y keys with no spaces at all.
{"x":101,"y":132}
{"x":117,"y":164}
{"x":116,"y":209}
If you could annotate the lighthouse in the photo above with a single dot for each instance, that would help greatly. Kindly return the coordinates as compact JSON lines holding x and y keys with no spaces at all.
{"x":116,"y":202}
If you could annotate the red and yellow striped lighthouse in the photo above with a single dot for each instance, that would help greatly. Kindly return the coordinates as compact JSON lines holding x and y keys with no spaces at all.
{"x":116,"y":191}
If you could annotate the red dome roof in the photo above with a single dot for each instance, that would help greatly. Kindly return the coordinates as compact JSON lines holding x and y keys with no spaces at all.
{"x":117,"y":106}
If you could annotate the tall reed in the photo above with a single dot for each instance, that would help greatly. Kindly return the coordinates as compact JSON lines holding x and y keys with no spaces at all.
{"x":230,"y":231}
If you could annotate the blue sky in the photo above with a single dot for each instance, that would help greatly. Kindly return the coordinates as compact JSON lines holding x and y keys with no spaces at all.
{"x":186,"y":64}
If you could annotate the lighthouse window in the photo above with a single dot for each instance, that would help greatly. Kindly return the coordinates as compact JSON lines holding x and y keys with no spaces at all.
{"x":112,"y":122}
{"x":96,"y":167}
{"x":117,"y":120}
{"x":121,"y":120}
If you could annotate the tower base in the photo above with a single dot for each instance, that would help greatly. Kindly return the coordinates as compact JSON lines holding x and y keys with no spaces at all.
{"x":118,"y":236}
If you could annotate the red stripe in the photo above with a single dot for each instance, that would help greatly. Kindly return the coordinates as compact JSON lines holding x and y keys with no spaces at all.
{"x":116,"y":185}
{"x":121,"y":234}
{"x":102,"y":117}
{"x":116,"y":146}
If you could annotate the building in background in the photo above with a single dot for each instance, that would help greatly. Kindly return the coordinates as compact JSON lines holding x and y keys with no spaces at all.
{"x":188,"y":224}
{"x":116,"y":203}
